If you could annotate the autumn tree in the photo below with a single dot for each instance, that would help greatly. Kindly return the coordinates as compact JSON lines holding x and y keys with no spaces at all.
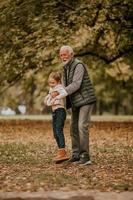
{"x":100,"y":31}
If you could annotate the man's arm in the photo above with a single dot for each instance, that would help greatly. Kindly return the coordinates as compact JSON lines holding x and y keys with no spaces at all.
{"x":62,"y":93}
{"x":77,"y":80}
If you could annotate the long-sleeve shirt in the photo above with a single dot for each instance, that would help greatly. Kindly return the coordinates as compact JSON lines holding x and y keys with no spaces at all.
{"x":77,"y":79}
{"x":58,"y":101}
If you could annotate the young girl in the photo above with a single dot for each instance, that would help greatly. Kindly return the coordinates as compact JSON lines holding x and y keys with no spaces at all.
{"x":55,"y":99}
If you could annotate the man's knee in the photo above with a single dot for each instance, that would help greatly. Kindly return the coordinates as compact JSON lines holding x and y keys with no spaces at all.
{"x":83,"y":127}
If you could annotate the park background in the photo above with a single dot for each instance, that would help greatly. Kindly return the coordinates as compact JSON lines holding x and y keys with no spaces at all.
{"x":31,"y":34}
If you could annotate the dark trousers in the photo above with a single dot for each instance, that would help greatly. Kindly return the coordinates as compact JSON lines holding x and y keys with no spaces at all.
{"x":58,"y":120}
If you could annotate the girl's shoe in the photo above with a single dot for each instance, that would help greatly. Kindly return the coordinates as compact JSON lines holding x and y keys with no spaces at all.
{"x":61,"y":156}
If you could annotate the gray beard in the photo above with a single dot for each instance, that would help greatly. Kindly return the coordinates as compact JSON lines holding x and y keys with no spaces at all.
{"x":65,"y":62}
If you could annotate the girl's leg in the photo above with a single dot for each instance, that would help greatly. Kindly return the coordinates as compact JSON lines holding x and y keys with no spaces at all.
{"x":60,"y":119}
{"x":61,"y":116}
{"x":54,"y":122}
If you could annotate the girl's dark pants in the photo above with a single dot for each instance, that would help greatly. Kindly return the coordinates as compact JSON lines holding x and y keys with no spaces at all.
{"x":58,"y":120}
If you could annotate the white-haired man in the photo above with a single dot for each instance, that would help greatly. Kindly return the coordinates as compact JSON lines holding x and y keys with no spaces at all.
{"x":80,"y":99}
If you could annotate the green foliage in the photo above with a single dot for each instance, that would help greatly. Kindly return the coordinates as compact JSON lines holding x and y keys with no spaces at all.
{"x":33,"y":31}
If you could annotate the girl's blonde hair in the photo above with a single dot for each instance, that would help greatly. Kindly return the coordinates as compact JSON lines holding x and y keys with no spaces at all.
{"x":56,"y":76}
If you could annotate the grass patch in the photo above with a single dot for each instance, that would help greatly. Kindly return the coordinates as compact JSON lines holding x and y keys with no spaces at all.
{"x":31,"y":154}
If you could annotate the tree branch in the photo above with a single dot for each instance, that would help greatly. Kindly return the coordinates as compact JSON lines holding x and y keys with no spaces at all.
{"x":106,"y":59}
{"x":67,"y":5}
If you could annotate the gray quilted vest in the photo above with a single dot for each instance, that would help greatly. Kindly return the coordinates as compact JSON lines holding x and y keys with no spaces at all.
{"x":85,"y":95}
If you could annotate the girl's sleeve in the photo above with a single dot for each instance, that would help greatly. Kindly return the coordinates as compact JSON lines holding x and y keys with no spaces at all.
{"x":62,"y":93}
{"x":47,"y":100}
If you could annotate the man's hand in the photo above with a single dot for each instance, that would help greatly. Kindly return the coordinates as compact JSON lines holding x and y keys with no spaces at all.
{"x":54,"y":94}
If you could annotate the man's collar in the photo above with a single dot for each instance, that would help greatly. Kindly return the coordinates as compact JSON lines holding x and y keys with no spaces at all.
{"x":69,"y":63}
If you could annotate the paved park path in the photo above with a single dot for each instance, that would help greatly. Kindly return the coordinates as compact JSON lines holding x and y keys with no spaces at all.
{"x":61,"y":195}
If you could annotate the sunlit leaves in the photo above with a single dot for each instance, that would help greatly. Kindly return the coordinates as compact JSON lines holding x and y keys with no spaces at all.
{"x":120,"y":71}
{"x":33,"y":31}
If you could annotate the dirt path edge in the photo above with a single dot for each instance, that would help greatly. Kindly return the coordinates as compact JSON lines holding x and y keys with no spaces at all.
{"x":62,"y":195}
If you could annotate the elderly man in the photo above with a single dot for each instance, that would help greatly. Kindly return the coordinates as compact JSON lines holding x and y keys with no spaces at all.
{"x":80,"y":99}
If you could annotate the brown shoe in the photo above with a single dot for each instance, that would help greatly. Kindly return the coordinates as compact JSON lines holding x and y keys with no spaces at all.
{"x":61,"y":156}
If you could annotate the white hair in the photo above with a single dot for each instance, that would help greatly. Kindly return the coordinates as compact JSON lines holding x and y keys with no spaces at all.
{"x":68,"y":48}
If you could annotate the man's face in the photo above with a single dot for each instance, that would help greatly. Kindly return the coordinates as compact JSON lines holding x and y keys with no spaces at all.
{"x":65,"y":56}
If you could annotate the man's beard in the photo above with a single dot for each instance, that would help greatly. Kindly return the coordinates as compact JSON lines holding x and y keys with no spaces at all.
{"x":65,"y":62}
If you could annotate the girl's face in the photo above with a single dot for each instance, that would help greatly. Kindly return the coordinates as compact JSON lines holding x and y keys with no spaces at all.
{"x":52,"y":82}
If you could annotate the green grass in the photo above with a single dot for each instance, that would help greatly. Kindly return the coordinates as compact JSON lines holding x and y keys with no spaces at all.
{"x":31,"y":154}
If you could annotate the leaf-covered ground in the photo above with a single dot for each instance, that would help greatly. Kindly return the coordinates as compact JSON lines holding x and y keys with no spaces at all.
{"x":28,"y":147}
